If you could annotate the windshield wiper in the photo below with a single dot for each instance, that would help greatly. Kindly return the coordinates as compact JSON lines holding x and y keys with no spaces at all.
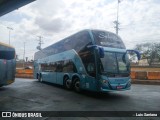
{"x":109,"y":73}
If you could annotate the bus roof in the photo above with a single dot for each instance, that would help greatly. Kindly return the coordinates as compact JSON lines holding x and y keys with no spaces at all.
{"x":6,"y":45}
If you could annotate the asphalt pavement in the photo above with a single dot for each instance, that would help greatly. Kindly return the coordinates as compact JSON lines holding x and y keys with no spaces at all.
{"x":31,"y":95}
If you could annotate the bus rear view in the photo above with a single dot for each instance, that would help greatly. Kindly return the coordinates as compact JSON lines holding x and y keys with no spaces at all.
{"x":7,"y":64}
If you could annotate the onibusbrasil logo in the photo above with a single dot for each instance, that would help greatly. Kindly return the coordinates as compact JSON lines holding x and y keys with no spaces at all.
{"x":21,"y":114}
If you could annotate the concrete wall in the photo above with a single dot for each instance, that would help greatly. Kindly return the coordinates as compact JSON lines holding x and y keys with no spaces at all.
{"x":24,"y":73}
{"x":145,"y":75}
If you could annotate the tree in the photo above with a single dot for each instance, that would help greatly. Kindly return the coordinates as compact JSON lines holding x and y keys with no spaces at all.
{"x":150,"y":51}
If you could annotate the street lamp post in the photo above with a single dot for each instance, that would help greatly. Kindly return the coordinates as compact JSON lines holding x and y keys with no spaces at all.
{"x":9,"y":28}
{"x":24,"y":56}
{"x":116,"y":22}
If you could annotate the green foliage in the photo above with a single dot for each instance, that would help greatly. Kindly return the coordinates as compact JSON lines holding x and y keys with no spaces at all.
{"x":150,"y":51}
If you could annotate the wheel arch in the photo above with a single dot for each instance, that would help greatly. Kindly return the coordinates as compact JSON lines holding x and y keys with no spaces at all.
{"x":66,"y":75}
{"x":75,"y":76}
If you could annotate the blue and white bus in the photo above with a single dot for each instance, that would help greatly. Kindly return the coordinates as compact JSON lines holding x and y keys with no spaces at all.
{"x":7,"y":64}
{"x":94,"y":60}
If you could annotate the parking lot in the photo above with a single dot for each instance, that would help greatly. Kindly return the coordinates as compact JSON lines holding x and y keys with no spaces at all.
{"x":31,"y":95}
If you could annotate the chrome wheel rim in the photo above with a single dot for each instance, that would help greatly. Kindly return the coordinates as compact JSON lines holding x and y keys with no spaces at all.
{"x":77,"y":86}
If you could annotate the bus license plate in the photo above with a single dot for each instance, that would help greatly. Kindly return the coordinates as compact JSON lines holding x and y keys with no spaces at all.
{"x":119,"y":87}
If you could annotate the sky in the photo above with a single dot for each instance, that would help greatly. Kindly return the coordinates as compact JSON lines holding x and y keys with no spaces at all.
{"x":56,"y":19}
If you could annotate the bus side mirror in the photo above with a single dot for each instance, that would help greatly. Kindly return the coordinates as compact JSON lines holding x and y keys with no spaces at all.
{"x":136,"y":52}
{"x":101,"y":52}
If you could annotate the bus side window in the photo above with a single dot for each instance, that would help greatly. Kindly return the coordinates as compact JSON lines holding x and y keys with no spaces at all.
{"x":65,"y":66}
{"x":69,"y":66}
{"x":53,"y":67}
{"x":80,"y":40}
{"x":42,"y":67}
{"x":59,"y":66}
{"x":90,"y":67}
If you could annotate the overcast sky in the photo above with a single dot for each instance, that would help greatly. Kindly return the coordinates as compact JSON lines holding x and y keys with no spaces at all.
{"x":57,"y":19}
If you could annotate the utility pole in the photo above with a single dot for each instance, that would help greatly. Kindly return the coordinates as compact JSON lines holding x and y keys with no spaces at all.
{"x":40,"y":43}
{"x":9,"y":28}
{"x":24,"y":56}
{"x":116,"y":22}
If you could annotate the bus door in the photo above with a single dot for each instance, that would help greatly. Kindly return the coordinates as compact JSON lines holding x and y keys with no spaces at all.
{"x":90,"y":79}
{"x":88,"y":59}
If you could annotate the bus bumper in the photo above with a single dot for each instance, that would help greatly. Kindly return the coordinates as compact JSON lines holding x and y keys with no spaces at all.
{"x":111,"y":90}
{"x":115,"y":87}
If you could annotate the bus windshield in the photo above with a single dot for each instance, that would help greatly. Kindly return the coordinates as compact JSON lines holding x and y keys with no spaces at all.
{"x":114,"y":63}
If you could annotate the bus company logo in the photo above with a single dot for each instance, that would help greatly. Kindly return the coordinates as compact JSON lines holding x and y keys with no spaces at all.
{"x":6,"y":114}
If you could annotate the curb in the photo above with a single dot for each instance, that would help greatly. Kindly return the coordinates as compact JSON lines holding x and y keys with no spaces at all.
{"x":146,"y":82}
{"x":24,"y":76}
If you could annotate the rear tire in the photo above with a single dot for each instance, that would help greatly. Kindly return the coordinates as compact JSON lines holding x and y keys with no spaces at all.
{"x":67,"y":83}
{"x":77,"y":85}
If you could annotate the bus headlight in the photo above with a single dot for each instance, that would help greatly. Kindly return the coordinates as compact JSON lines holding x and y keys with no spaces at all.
{"x":105,"y":84}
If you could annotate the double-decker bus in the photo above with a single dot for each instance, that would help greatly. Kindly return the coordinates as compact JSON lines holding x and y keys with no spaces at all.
{"x":94,"y":60}
{"x":7,"y":64}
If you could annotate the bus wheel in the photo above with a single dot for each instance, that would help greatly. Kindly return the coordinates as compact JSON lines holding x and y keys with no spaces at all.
{"x":67,"y":83}
{"x":77,"y":85}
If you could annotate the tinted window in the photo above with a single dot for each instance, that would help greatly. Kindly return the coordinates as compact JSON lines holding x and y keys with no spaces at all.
{"x":7,"y":55}
{"x":69,"y":66}
{"x":88,"y":60}
{"x":44,"y":67}
{"x":77,"y":42}
{"x":80,"y":41}
{"x":59,"y":66}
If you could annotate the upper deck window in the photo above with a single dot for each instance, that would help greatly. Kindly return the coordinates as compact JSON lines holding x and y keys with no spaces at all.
{"x":78,"y":42}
